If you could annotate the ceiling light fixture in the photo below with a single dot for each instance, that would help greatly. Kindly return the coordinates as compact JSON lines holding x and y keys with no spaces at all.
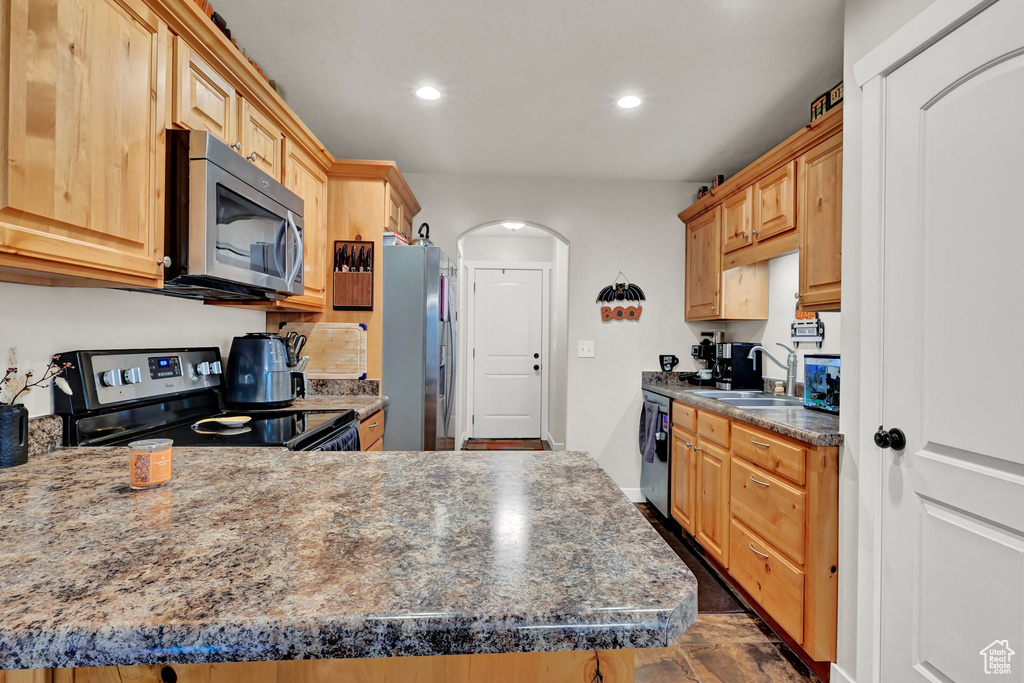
{"x":513,"y":226}
{"x":630,"y":102}
{"x":428,"y":92}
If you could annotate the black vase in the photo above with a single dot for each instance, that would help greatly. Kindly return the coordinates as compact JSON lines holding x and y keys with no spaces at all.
{"x":13,"y":435}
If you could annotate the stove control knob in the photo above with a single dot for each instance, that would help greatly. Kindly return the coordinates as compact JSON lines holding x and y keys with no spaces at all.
{"x":203,"y":368}
{"x":111,"y":378}
{"x":215,"y":368}
{"x":133,"y":375}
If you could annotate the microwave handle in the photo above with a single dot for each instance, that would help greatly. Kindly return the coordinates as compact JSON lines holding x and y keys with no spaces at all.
{"x":297,"y":263}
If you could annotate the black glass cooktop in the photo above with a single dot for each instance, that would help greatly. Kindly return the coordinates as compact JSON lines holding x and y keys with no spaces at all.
{"x":296,"y":429}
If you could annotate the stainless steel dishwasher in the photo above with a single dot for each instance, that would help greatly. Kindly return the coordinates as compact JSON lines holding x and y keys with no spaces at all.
{"x":656,"y":476}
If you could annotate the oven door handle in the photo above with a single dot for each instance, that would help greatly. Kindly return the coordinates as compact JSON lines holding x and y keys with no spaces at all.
{"x":297,"y":261}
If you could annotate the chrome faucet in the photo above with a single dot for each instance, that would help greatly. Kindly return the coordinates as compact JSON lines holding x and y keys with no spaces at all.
{"x":790,"y":365}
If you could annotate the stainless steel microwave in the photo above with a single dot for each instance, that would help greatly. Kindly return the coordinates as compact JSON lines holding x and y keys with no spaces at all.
{"x":231,"y":231}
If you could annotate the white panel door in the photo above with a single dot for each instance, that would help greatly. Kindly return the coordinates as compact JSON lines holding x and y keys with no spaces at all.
{"x":952,"y":582}
{"x":508,"y":332}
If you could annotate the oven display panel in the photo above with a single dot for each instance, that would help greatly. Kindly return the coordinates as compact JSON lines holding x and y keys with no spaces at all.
{"x":161,"y":367}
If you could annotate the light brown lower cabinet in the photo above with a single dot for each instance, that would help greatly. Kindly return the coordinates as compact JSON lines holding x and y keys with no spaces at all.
{"x":610,"y":666}
{"x":766,"y":509}
{"x":371,"y":432}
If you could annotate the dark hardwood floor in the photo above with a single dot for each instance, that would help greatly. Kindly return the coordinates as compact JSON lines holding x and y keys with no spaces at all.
{"x":729,"y":643}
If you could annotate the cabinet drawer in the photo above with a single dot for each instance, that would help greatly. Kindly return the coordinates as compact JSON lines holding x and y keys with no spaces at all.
{"x":714,"y":428}
{"x":769,"y":506}
{"x":774,"y":583}
{"x":770,"y":452}
{"x":684,"y":417}
{"x":371,"y":430}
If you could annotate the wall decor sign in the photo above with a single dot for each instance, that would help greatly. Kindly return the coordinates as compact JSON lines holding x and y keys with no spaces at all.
{"x":621,"y":289}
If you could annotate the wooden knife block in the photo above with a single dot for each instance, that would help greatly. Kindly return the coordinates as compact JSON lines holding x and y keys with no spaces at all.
{"x":354,"y":291}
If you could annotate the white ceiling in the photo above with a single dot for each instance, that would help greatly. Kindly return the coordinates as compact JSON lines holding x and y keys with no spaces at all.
{"x":529,"y":86}
{"x":499,"y":231}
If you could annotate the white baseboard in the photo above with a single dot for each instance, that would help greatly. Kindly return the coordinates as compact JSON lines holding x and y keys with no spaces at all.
{"x":635,"y":495}
{"x":555,"y":445}
{"x":840,"y":676}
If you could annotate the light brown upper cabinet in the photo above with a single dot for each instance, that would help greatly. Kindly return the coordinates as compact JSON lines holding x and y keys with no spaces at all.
{"x":737,"y":220}
{"x":821,"y":229}
{"x":305,"y":178}
{"x":711,"y":293}
{"x":203,"y":98}
{"x":392,"y":209}
{"x":775,"y":203}
{"x":262,"y":141}
{"x":704,"y":265}
{"x":790,"y":199}
{"x":84,"y":101}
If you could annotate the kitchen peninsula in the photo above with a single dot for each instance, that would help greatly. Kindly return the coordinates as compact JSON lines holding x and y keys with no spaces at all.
{"x":534,"y":564}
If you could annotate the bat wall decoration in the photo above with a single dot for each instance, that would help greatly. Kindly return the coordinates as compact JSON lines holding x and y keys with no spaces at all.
{"x":621,"y":291}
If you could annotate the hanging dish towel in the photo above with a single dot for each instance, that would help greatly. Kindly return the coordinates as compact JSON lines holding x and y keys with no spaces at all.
{"x":649,"y":430}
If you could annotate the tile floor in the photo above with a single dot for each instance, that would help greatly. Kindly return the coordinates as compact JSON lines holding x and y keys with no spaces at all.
{"x":727,"y":644}
{"x":506,"y":445}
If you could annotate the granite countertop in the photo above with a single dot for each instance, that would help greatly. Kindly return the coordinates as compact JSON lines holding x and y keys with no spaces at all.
{"x":365,"y":406}
{"x":810,"y":426}
{"x":265,"y":554}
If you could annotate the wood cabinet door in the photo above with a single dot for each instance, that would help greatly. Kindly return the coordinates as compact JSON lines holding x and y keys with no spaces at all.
{"x":305,"y":178}
{"x":392,"y":209}
{"x":704,"y":265}
{"x":262,"y":141}
{"x":203,"y":99}
{"x":775,"y":202}
{"x":684,"y":479}
{"x":407,"y":223}
{"x":82,"y":175}
{"x":713,"y":500}
{"x":737,"y":220}
{"x":821,"y":225}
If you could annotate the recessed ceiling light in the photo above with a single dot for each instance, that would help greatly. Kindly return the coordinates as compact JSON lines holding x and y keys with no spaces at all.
{"x":428,"y":92}
{"x":630,"y":101}
{"x":513,"y":226}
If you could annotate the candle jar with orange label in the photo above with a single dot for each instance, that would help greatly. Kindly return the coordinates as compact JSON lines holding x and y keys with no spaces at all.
{"x":150,"y":463}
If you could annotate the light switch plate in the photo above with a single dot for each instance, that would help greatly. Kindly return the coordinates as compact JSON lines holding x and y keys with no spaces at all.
{"x":586,"y":349}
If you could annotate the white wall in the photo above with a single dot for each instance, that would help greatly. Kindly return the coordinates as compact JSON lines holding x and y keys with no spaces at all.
{"x":42,"y":321}
{"x":783,"y":284}
{"x":868,"y":23}
{"x":610,"y":226}
{"x":519,"y":249}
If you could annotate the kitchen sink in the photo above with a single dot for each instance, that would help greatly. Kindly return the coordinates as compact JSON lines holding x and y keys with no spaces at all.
{"x":719,"y":394}
{"x":774,"y":402}
{"x":750,"y":399}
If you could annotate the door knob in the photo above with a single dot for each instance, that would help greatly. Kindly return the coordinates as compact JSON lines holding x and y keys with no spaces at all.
{"x":536,"y":355}
{"x":536,"y":367}
{"x":894,"y":438}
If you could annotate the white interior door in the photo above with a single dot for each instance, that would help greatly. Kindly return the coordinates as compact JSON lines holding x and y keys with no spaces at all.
{"x":952,"y":553}
{"x":507,"y":325}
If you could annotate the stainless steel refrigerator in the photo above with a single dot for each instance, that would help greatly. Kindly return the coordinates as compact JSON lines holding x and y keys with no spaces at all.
{"x":420,"y":348}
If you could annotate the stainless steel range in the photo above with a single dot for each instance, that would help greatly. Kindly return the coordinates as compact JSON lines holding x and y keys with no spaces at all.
{"x":124,"y":395}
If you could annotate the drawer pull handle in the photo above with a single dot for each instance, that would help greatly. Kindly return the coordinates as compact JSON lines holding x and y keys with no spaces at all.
{"x":758,"y":481}
{"x":758,"y":443}
{"x":375,"y":424}
{"x":757,"y":552}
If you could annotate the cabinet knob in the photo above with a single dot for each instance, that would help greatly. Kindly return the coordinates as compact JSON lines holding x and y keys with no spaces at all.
{"x":165,"y":261}
{"x":712,"y":308}
{"x":252,"y":157}
{"x":238,"y":145}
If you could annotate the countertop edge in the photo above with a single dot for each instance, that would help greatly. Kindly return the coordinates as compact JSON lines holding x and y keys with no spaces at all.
{"x":749,"y":416}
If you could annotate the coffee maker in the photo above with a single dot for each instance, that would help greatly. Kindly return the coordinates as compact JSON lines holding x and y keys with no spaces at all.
{"x":733,"y":370}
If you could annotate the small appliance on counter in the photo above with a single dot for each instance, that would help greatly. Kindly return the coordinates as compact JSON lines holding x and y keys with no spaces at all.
{"x":121,"y":396}
{"x":821,"y":382}
{"x":733,"y":370}
{"x":263,"y":372}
